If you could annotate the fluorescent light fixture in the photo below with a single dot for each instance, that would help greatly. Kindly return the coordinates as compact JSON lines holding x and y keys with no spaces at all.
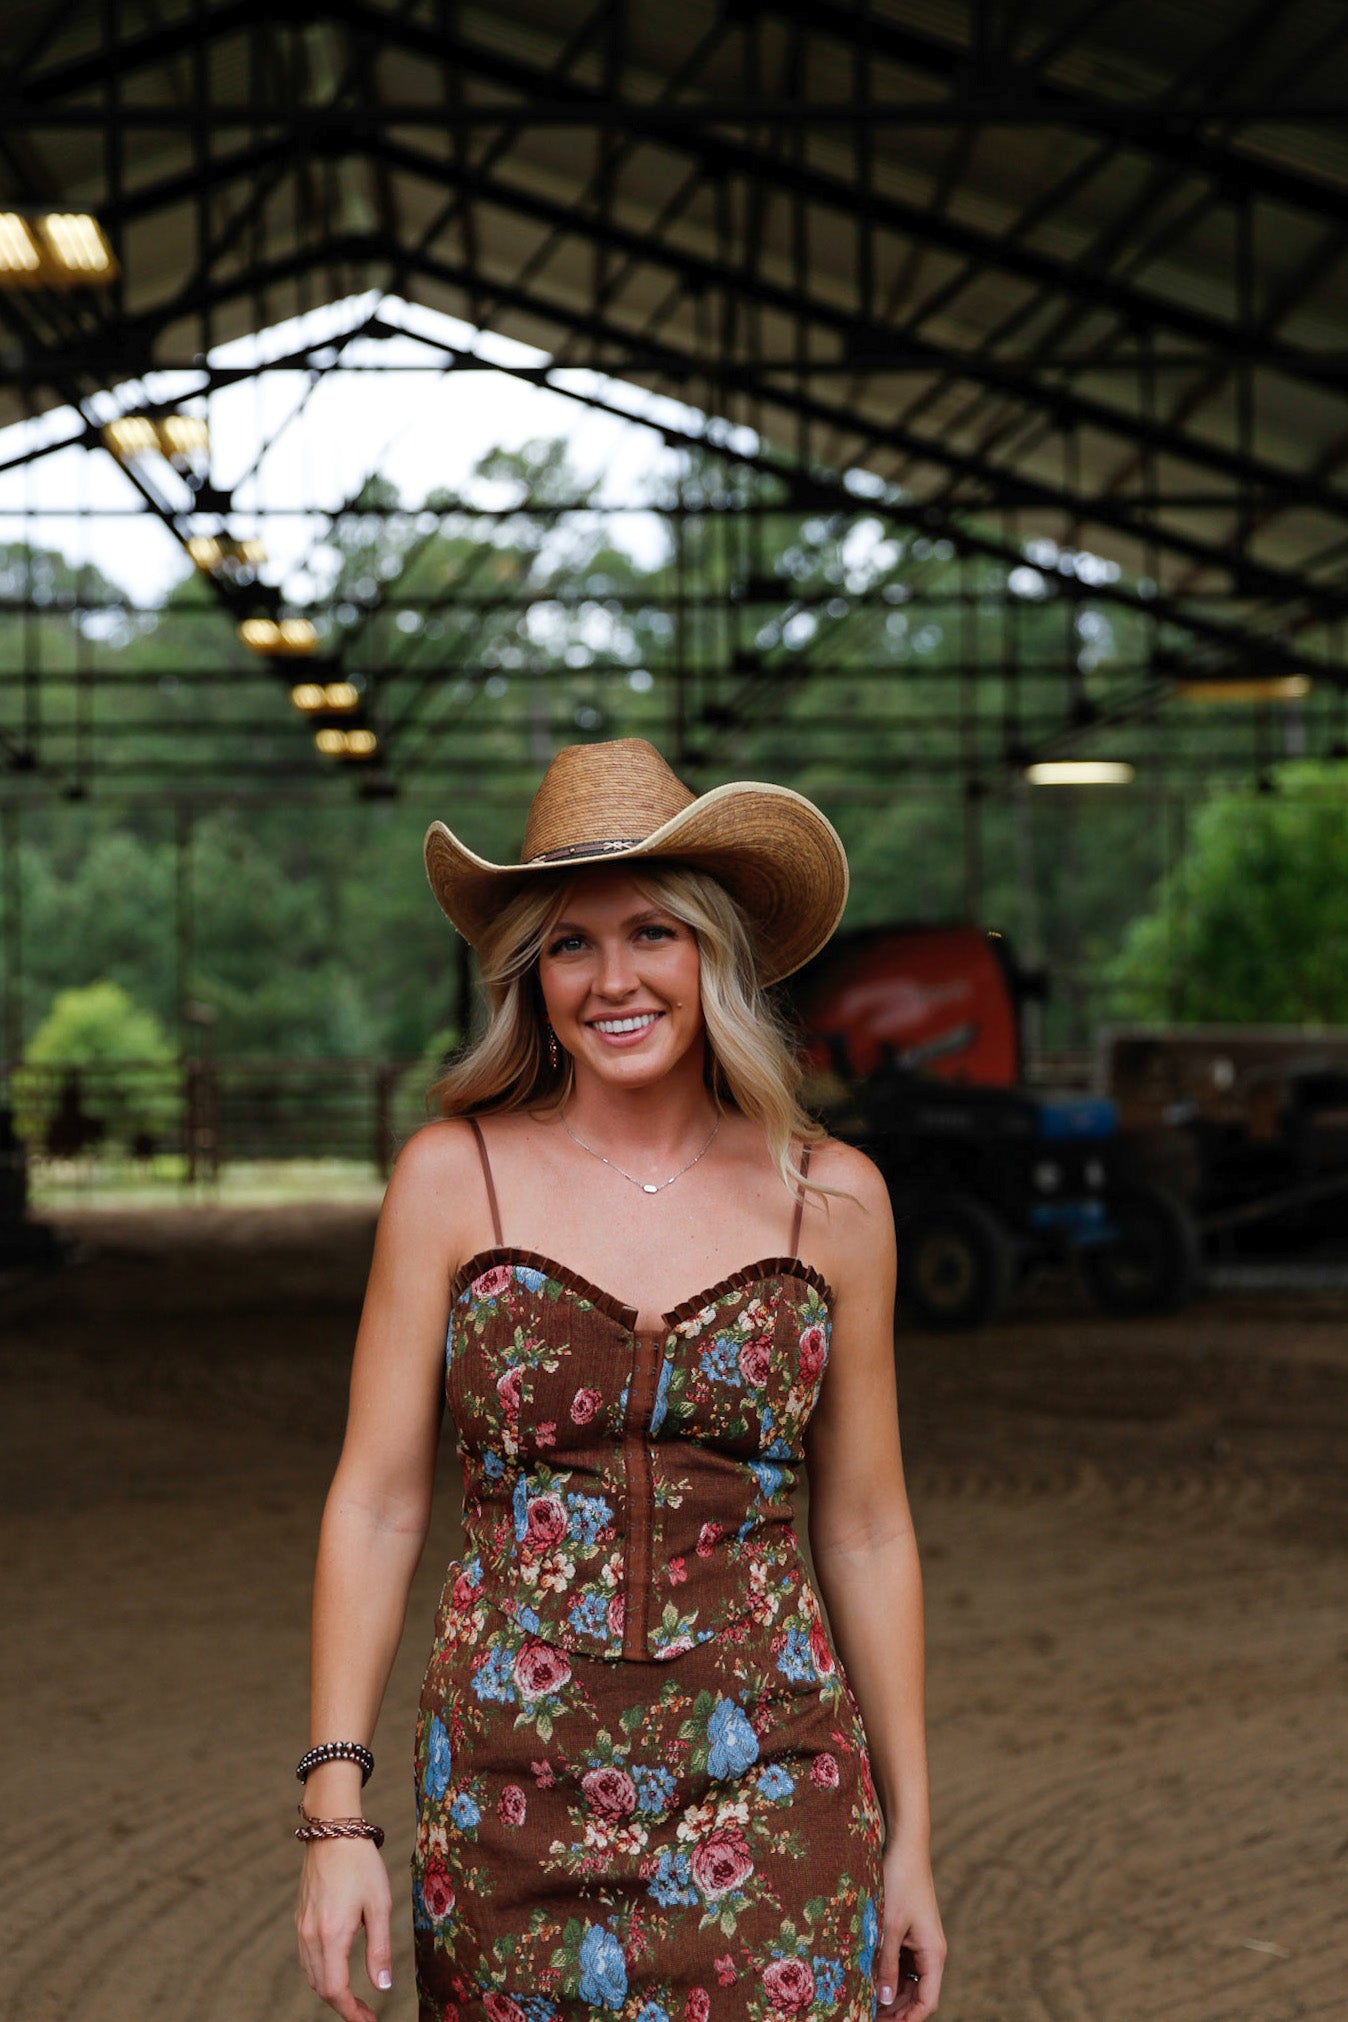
{"x":19,"y":255}
{"x":1079,"y":772}
{"x":284,"y":635}
{"x":76,"y":243}
{"x":184,"y":435}
{"x":1255,"y":688}
{"x":131,"y":436}
{"x":57,"y":249}
{"x":334,"y":743}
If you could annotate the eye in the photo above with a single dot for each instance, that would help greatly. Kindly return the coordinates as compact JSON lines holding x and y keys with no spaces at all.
{"x":654,"y":927}
{"x":563,"y":942}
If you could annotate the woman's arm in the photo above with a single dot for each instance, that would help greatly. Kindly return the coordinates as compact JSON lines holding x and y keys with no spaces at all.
{"x":374,"y":1526}
{"x":865,"y":1558}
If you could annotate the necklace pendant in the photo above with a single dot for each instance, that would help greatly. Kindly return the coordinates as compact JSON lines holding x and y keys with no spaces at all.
{"x":647,"y":1188}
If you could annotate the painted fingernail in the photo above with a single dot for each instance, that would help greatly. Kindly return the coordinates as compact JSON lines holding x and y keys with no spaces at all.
{"x":886,"y":1993}
{"x":386,"y":1978}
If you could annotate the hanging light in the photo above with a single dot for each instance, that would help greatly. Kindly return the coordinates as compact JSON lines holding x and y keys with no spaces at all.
{"x":182,"y":438}
{"x":335,"y":743}
{"x":1079,"y":772}
{"x":130,"y":436}
{"x":58,"y":249}
{"x":222,"y":554}
{"x":279,"y":635}
{"x":312,"y":696}
{"x":185,"y":435}
{"x":206,"y":552}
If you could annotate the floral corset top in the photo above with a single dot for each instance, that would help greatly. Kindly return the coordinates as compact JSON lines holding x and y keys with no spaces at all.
{"x":628,"y":1492}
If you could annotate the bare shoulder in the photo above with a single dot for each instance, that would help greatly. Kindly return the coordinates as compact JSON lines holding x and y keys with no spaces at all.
{"x":854,"y":1226}
{"x":433,"y":1176}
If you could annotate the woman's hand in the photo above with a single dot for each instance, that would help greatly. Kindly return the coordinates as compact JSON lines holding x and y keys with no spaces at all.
{"x":912,"y":1921}
{"x":343,"y":1885}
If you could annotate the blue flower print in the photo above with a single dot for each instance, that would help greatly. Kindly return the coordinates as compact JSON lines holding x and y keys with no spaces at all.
{"x":794,"y":1660}
{"x":449,"y":1345}
{"x":532,"y":1281}
{"x":589,"y":1515}
{"x":779,"y":1450}
{"x":722,"y":1360}
{"x":590,"y":1615}
{"x":658,"y":1408}
{"x":495,"y":1678}
{"x":520,"y":1505}
{"x":439,"y":1763}
{"x":655,"y":1787}
{"x":776,"y":1782}
{"x":493,"y":1466}
{"x":651,"y":2011}
{"x":603,"y":1970}
{"x":734,"y":1745}
{"x":870,"y":1932}
{"x":530,"y":1619}
{"x":828,"y":1979}
{"x":464,"y":1812}
{"x":671,"y":1884}
{"x":536,"y":2007}
{"x":768,"y":1477}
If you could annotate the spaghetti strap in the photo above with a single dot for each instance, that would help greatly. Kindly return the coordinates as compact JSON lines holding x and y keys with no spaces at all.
{"x":794,"y":1248}
{"x":486,"y":1174}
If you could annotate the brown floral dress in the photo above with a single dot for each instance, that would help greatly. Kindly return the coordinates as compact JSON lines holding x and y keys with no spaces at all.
{"x":643,"y":1785}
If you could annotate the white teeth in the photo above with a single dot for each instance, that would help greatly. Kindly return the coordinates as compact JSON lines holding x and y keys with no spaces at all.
{"x":624,"y":1024}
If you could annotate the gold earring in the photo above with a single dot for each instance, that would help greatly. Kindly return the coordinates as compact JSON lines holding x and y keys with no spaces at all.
{"x":553,"y":1055}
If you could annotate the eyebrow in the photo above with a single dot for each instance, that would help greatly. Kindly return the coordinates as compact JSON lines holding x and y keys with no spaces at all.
{"x":632,"y":920}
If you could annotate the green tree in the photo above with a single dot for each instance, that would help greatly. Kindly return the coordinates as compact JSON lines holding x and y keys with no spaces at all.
{"x":1253,"y":924}
{"x":96,"y":1026}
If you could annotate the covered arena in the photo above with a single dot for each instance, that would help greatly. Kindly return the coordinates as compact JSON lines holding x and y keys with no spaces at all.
{"x":940,"y":406}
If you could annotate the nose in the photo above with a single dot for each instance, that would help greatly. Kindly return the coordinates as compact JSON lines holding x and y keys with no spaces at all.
{"x":615,"y":975}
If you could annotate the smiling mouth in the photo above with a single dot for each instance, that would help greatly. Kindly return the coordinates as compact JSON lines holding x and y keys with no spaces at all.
{"x":630,"y":1024}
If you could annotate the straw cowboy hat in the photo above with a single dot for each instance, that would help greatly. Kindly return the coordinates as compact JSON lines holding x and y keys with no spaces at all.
{"x":618,"y":802}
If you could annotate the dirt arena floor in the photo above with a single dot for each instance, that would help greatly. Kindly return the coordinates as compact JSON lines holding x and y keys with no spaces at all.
{"x":1135,"y":1545}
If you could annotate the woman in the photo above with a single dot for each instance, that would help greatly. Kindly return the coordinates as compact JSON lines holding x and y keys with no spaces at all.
{"x":651,"y":1780}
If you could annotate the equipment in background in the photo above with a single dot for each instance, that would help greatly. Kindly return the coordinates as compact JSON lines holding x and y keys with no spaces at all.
{"x":914,"y":1047}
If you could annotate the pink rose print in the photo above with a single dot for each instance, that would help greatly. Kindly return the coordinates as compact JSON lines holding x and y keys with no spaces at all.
{"x":540,"y":1668}
{"x":610,"y":1792}
{"x":437,"y":1889}
{"x":722,"y":1861}
{"x":508,"y":1390}
{"x":543,"y":1775}
{"x":465,"y":1593}
{"x":725,"y":1970}
{"x":756,"y":1360}
{"x":616,"y":1615}
{"x":813,"y":1348}
{"x":698,"y":2005}
{"x":789,"y":1985}
{"x":546,"y":1434}
{"x":820,"y":1654}
{"x":546,"y":1522}
{"x":510,"y":1805}
{"x":492,"y":1283}
{"x":677,"y":1571}
{"x":707,"y":1539}
{"x":502,"y":2009}
{"x":824,"y":1772}
{"x":584,"y":1405}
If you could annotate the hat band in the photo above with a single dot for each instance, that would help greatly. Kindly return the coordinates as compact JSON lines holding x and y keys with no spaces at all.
{"x":586,"y":849}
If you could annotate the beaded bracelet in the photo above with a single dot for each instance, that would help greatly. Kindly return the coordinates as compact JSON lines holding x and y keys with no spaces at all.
{"x":337,"y":1751}
{"x":337,"y":1828}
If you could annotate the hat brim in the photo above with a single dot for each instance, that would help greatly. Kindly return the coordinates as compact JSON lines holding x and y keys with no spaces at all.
{"x":773,"y":850}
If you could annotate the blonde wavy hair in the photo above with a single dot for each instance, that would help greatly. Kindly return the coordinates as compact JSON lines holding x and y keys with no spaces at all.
{"x":751,"y":1061}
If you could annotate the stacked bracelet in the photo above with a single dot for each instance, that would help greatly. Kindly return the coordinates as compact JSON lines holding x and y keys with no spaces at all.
{"x":337,"y":1751}
{"x":337,"y":1828}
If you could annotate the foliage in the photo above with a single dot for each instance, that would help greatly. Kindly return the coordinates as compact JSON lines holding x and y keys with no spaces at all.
{"x":1252,"y":926}
{"x":88,"y":1027}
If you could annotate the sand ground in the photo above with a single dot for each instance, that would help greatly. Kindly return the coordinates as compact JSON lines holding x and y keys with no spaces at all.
{"x":1136,"y":1557}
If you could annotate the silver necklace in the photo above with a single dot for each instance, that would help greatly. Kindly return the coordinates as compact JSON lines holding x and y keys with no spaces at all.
{"x":647,"y":1186}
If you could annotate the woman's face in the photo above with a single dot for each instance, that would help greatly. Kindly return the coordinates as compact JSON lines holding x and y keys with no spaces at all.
{"x":620,"y":980}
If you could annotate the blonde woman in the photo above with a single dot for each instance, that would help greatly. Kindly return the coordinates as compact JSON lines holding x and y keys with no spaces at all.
{"x":652,"y":1780}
